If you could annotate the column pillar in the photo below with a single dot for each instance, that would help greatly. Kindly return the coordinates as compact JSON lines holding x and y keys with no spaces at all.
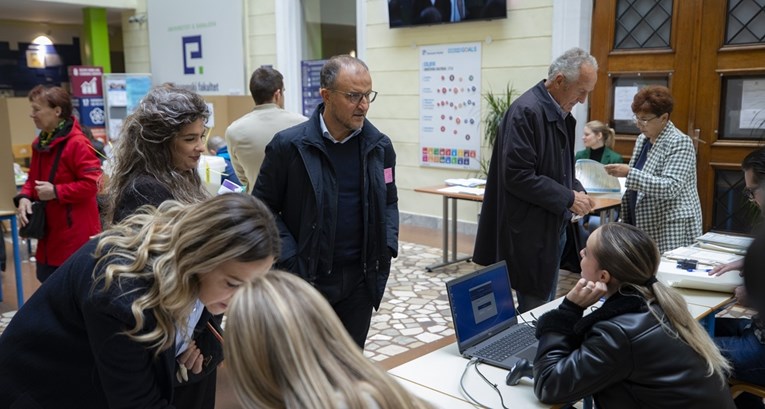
{"x":96,"y":38}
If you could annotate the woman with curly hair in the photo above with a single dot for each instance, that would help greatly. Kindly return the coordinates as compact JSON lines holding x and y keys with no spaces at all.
{"x":286,"y":348}
{"x":130,"y":316}
{"x":157,"y":153}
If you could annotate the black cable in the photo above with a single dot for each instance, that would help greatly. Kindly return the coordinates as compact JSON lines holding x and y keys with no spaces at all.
{"x":464,"y":391}
{"x":493,"y":385}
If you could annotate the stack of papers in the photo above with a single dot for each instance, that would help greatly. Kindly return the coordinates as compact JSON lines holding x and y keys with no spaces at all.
{"x":472,"y":182}
{"x":698,"y":278}
{"x":477,"y":191}
{"x":725,"y":242}
{"x":703,"y":256}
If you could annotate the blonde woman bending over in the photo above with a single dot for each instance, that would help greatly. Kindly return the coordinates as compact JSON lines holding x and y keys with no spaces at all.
{"x":640,"y":349}
{"x":131,"y":315}
{"x":286,"y":348}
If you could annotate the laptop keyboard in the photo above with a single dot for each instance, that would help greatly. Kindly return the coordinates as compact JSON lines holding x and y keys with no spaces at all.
{"x":519,"y":338}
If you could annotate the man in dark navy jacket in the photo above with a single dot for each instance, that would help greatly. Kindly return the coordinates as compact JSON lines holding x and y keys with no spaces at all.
{"x":330,"y":182}
{"x":531,"y":192}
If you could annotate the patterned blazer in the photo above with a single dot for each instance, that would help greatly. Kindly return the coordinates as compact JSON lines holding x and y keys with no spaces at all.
{"x":668,"y":206}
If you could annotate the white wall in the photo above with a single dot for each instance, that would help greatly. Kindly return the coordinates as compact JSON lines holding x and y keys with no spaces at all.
{"x":516,"y":50}
{"x":136,"y":40}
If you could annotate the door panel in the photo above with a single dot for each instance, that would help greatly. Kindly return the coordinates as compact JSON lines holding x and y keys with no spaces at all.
{"x":714,"y":47}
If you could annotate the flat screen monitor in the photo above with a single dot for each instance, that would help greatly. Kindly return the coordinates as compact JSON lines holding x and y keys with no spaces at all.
{"x":405,"y":13}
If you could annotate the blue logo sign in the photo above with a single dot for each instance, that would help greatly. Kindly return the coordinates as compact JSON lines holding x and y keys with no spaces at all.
{"x":192,"y":50}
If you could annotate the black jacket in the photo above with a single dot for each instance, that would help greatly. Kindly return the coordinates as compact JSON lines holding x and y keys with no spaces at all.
{"x":297,"y":181}
{"x":528,"y":192}
{"x":623,"y":357}
{"x":65,"y":348}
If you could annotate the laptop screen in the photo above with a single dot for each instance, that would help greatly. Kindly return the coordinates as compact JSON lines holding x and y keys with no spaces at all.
{"x":481,"y":301}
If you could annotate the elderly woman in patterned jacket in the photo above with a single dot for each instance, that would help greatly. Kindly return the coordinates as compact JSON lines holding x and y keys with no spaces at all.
{"x":661,"y":196}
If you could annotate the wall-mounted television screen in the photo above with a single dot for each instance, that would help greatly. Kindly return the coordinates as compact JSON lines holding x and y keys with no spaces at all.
{"x":405,"y":13}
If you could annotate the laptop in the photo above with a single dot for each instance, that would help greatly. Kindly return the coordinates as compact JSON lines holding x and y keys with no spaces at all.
{"x":485,"y":319}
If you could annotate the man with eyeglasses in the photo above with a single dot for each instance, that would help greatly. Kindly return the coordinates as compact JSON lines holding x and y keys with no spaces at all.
{"x":531,"y":191}
{"x":742,"y":340}
{"x":331,"y":185}
{"x":248,"y":136}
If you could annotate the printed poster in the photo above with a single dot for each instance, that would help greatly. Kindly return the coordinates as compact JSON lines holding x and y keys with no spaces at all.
{"x":450,"y":106}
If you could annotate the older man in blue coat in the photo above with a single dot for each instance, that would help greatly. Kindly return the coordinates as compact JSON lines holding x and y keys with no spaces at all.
{"x":531,"y":192}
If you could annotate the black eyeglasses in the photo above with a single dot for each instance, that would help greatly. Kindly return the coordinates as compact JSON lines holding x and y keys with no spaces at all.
{"x":355,"y":97}
{"x":749,"y":192}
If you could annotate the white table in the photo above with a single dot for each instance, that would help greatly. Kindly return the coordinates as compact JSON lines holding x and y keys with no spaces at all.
{"x":438,"y":373}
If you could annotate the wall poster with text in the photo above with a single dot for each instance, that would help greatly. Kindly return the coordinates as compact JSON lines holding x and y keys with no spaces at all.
{"x":450,"y":105}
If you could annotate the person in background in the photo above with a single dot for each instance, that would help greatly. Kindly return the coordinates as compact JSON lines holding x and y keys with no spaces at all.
{"x":130,"y":316}
{"x":661,"y":195}
{"x":285,"y":348}
{"x":248,"y":136}
{"x":640,"y":349}
{"x":331,"y":183}
{"x":598,"y":142}
{"x":71,"y":211}
{"x":157,"y":153}
{"x":531,"y":191}
{"x":216,"y":146}
{"x":598,"y":146}
{"x":742,"y":340}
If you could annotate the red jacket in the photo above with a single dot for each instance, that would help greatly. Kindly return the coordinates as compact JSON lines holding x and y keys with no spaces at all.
{"x":72,"y":217}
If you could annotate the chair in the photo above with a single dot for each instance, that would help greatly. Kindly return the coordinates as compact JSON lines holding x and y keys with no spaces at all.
{"x":738,"y":387}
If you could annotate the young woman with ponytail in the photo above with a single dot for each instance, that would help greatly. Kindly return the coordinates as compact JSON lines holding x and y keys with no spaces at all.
{"x":641,"y":348}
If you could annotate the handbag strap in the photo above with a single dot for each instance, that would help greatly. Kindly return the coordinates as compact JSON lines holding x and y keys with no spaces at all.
{"x":55,"y":162}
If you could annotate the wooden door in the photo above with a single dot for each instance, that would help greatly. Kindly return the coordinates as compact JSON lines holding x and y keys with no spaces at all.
{"x":711,"y":54}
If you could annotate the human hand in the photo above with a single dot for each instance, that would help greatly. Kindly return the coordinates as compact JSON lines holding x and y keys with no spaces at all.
{"x":25,"y":208}
{"x":741,"y":296}
{"x":190,"y":360}
{"x":586,"y":293}
{"x":45,"y":190}
{"x":618,"y":170}
{"x":583,"y":204}
{"x":724,"y":268}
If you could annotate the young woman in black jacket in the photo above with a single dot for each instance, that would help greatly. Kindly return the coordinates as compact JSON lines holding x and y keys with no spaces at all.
{"x":640,"y":349}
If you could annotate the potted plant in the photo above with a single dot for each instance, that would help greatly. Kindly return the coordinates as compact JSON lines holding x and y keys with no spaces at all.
{"x":497,"y":104}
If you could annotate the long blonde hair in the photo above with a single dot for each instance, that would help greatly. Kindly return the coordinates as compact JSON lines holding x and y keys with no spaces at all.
{"x":286,"y":348}
{"x":167,"y":250}
{"x":632,"y":257}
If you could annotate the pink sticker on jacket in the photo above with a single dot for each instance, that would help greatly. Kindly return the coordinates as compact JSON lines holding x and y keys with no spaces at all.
{"x":388,"y":175}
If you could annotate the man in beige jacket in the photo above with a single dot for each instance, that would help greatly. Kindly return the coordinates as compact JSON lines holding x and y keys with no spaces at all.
{"x":248,"y":136}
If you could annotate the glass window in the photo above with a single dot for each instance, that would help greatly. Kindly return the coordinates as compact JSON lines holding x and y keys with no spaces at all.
{"x":643,"y":24}
{"x":742,"y":112}
{"x":623,"y":91}
{"x":745,"y":23}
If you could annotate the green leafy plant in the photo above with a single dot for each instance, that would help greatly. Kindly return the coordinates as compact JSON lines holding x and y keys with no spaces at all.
{"x":497,"y":104}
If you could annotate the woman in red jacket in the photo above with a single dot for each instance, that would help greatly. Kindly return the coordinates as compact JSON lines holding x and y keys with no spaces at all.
{"x":71,"y":212}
